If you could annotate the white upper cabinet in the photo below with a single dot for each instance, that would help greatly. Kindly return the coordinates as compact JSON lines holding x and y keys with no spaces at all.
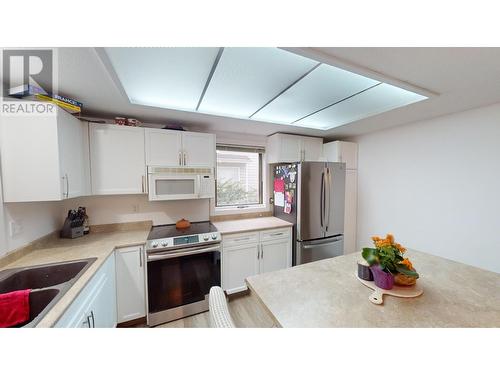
{"x":199,"y":149}
{"x":44,"y":158}
{"x":170,"y":148}
{"x":312,"y":148}
{"x":163,"y":147}
{"x":117,"y":157}
{"x":287,"y":148}
{"x":342,"y":152}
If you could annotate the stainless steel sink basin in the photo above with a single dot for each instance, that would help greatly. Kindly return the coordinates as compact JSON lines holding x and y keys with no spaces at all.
{"x":48,"y":283}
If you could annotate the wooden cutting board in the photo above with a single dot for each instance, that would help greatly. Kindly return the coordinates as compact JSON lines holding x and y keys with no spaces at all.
{"x":377,"y":297}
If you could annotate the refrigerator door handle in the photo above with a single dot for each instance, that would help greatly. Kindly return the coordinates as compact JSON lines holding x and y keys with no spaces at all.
{"x":329,"y":180}
{"x":322,"y":201}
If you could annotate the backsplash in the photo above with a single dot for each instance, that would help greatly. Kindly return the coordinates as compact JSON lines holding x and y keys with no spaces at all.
{"x":130,"y":208}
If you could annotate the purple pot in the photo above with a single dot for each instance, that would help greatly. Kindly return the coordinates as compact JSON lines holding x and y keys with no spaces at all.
{"x":382,"y":279}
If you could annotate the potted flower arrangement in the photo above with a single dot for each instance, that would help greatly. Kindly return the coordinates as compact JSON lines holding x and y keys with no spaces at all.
{"x":388,"y":264}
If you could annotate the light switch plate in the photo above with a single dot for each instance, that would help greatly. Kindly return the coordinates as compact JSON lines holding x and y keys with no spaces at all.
{"x":16,"y":227}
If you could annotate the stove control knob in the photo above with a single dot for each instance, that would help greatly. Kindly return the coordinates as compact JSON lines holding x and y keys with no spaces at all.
{"x":164,"y":244}
{"x":155,"y":245}
{"x":205,"y":238}
{"x":214,"y":236}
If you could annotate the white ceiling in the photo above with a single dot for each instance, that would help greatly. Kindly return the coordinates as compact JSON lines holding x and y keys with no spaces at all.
{"x":462,"y":78}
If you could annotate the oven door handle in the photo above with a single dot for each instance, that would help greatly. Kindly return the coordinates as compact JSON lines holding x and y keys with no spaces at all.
{"x":153,"y":257}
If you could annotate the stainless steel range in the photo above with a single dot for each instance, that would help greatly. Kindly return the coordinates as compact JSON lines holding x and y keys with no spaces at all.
{"x":182,"y":266}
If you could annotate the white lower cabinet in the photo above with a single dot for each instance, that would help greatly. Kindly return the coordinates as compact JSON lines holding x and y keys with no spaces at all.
{"x":95,"y":306}
{"x":274,"y":255}
{"x":239,"y":262}
{"x":251,"y":253}
{"x":130,"y":287}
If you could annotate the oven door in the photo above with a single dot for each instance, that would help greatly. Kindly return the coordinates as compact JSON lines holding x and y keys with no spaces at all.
{"x":178,"y":282}
{"x":169,"y":187}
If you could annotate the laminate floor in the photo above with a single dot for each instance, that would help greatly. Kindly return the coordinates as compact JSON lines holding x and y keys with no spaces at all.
{"x":245,"y":310}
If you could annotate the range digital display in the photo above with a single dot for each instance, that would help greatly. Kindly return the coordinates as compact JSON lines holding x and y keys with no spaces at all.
{"x":185,"y":240}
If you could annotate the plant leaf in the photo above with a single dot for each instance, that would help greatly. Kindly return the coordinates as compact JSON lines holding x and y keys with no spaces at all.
{"x":406,"y":271}
{"x":370,"y":255}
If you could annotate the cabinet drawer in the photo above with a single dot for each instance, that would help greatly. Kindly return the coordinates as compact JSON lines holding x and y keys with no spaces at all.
{"x":240,"y":239}
{"x":274,"y":234}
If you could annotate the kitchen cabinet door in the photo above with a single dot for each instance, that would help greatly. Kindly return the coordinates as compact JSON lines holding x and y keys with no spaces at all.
{"x":312,"y":149}
{"x":238,"y":263}
{"x":74,"y":156}
{"x":290,"y":148}
{"x":130,"y":289}
{"x":95,"y":306}
{"x":103,"y":307}
{"x":287,"y":148}
{"x":163,"y":147}
{"x":343,"y":152}
{"x":44,"y":158}
{"x":199,"y":150}
{"x":274,"y":255}
{"x":117,"y":159}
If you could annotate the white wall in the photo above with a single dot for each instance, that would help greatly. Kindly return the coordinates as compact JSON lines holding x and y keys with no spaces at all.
{"x":129,"y":208}
{"x":436,"y":186}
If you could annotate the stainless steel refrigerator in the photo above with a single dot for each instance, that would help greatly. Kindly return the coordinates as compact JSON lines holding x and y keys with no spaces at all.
{"x":311,"y":195}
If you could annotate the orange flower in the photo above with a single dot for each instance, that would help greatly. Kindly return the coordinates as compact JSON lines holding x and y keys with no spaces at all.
{"x":400,"y":248}
{"x":390,"y":238}
{"x":407,"y":263}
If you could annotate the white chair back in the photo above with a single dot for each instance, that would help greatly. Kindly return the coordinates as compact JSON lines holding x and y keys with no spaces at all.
{"x":219,"y":312}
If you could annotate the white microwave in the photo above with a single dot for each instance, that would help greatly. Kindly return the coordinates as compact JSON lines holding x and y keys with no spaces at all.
{"x":180,"y":183}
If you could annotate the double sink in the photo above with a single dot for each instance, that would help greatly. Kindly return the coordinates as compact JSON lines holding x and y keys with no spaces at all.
{"x":48,"y":283}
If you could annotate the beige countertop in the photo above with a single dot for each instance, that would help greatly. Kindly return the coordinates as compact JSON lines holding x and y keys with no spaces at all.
{"x":98,"y":245}
{"x":246,"y":225}
{"x":328,"y":294}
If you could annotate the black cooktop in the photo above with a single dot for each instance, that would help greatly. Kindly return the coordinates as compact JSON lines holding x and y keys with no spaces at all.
{"x":167,"y":231}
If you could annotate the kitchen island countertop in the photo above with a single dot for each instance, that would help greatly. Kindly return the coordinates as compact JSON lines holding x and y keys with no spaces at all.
{"x":328,"y":294}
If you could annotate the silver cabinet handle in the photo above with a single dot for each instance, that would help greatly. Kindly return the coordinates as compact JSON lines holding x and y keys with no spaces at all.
{"x":180,"y":158}
{"x":258,"y":252}
{"x":140,"y":257}
{"x":185,"y":158}
{"x":66,"y":193}
{"x":88,"y":321}
{"x":277,"y":234}
{"x":142,"y":183}
{"x":93,"y":318}
{"x":67,"y":186}
{"x":261,"y":251}
{"x":241,"y":239}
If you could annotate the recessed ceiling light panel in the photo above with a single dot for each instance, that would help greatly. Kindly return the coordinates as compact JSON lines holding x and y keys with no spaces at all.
{"x":163,"y":77}
{"x":263,"y":84}
{"x":245,"y":79}
{"x":322,"y":87}
{"x":373,"y":101}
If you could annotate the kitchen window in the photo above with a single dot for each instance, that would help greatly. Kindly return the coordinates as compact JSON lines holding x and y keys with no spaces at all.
{"x":239,"y":176}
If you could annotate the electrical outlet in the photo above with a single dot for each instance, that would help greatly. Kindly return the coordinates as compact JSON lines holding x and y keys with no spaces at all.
{"x":16,"y":227}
